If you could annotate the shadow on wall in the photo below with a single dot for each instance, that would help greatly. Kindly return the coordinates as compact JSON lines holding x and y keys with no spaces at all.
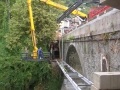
{"x":73,"y":59}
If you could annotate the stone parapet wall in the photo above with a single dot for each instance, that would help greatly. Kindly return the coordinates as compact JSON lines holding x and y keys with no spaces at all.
{"x":108,"y":22}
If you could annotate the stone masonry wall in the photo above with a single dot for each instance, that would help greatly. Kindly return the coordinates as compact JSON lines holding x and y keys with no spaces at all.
{"x":94,"y":42}
{"x":90,"y":52}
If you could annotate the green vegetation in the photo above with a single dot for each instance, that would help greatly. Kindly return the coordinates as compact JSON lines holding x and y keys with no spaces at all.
{"x":84,"y":48}
{"x":70,"y":37}
{"x":19,"y":35}
{"x":112,"y":25}
{"x":15,"y":35}
{"x":23,"y":75}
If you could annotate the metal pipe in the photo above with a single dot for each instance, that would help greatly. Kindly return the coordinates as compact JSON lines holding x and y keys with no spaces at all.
{"x":81,"y":76}
{"x":68,"y":77}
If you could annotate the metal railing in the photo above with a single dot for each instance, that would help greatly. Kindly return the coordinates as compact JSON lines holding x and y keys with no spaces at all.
{"x":30,"y":57}
{"x":78,"y":81}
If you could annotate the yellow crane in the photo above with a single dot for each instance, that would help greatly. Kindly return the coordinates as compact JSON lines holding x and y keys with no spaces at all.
{"x":32,"y":29}
{"x":62,"y":7}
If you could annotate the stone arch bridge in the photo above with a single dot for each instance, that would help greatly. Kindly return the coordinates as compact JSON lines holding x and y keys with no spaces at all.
{"x":94,"y":46}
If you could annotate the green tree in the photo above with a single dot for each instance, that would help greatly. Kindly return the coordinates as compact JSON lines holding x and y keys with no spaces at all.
{"x":5,"y":7}
{"x":2,"y":8}
{"x":19,"y":25}
{"x":4,"y":20}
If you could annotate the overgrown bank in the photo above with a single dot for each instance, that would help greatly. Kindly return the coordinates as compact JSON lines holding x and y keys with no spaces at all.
{"x":22,"y":75}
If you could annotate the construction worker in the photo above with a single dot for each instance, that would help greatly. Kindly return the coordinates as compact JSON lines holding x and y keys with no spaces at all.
{"x":40,"y":53}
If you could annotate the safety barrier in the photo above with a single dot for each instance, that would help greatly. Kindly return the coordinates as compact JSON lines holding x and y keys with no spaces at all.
{"x":97,"y":10}
{"x":29,"y":57}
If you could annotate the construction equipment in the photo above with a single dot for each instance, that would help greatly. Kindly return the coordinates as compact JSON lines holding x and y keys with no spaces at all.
{"x":62,"y":7}
{"x":33,"y":56}
{"x":32,"y":29}
{"x":70,"y":10}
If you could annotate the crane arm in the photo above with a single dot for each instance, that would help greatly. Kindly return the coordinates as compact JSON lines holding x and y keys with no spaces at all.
{"x":69,"y":10}
{"x":62,"y":7}
{"x":32,"y":29}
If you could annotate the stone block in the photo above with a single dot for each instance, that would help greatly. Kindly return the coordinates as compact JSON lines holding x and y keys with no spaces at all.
{"x":107,"y":80}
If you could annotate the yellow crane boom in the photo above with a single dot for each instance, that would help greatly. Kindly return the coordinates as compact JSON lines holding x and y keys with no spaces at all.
{"x":62,"y":7}
{"x":32,"y":29}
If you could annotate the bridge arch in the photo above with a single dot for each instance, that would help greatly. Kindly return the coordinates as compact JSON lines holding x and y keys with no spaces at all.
{"x":73,"y":58}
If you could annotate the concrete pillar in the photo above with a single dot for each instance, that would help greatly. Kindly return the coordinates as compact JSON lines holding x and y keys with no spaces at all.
{"x":106,"y":81}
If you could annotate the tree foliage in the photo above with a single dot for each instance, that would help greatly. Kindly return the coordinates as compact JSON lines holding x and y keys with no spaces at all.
{"x":2,"y":8}
{"x":19,"y":24}
{"x":5,"y":6}
{"x":17,"y":75}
